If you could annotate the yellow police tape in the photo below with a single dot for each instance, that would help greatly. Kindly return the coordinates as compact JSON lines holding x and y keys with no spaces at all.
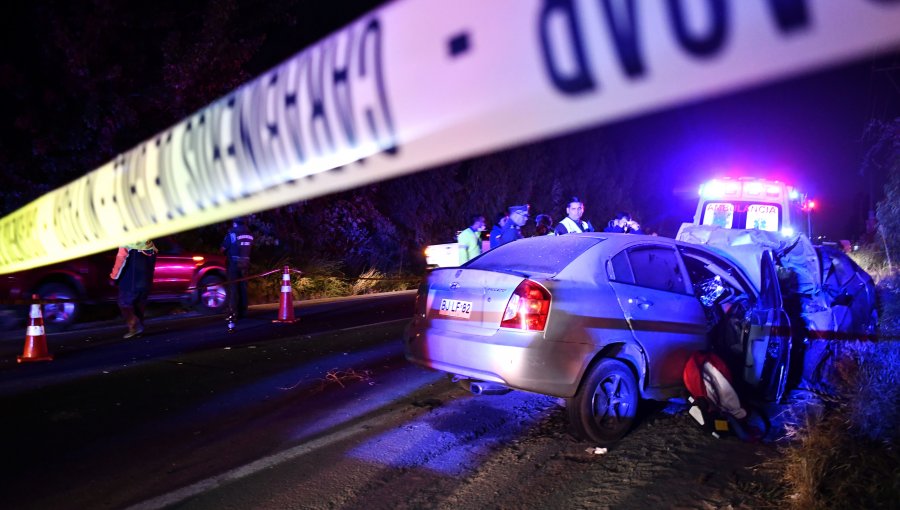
{"x":418,"y":83}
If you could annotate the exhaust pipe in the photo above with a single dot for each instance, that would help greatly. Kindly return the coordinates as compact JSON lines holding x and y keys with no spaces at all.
{"x":488,"y":388}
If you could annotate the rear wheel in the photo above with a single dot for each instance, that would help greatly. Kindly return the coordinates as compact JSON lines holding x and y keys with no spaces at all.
{"x":605,"y":407}
{"x":59,"y":315}
{"x":212,"y":295}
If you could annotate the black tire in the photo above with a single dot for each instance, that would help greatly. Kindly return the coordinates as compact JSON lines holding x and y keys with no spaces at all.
{"x":605,"y":407}
{"x":212,"y":296}
{"x":59,"y":315}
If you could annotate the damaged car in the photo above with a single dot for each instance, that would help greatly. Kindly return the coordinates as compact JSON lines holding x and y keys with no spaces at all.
{"x":603,"y":321}
{"x":827,"y":293}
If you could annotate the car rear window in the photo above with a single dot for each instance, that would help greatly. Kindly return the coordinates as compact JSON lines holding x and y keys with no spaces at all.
{"x":544,"y":254}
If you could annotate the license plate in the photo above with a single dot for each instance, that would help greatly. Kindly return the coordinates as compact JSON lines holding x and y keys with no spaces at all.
{"x":455,"y":308}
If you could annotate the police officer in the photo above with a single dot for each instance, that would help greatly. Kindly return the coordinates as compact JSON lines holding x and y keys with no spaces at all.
{"x":236,"y":247}
{"x":518,"y":216}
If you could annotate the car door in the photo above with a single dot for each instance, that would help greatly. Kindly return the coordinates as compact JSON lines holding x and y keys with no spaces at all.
{"x":767,"y":349}
{"x":175,"y":269}
{"x":668,"y":322}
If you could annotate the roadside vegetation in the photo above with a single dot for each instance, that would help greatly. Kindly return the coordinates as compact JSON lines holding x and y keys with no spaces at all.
{"x":850,"y":458}
{"x":323,"y":279}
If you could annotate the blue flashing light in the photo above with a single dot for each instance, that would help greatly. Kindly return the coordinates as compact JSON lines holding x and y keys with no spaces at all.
{"x":712,"y":189}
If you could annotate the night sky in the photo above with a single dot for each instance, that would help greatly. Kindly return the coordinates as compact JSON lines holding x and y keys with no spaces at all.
{"x":807,"y":131}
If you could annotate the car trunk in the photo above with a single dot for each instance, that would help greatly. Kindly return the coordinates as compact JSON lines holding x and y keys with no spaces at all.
{"x":470,"y":301}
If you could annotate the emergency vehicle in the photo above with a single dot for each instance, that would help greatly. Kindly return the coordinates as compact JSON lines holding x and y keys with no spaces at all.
{"x":751,"y":203}
{"x":739,"y":216}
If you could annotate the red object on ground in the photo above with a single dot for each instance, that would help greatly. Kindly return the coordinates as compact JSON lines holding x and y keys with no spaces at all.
{"x":693,"y":370}
{"x":35,"y":338}
{"x":286,"y":305}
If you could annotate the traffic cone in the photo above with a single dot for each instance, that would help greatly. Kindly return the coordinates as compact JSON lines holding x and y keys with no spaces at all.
{"x":35,"y":339}
{"x":286,"y":306}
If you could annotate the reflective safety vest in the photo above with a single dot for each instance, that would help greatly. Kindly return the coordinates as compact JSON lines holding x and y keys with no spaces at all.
{"x":469,"y":245}
{"x":571,"y":226}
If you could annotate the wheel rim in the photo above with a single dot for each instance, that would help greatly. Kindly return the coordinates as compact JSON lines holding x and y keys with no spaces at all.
{"x":58,"y":313}
{"x":213,"y":297}
{"x":612,"y":403}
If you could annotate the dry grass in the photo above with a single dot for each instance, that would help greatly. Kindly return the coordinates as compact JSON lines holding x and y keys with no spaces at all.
{"x":324,"y":279}
{"x":851,"y":458}
{"x":889,"y":305}
{"x":344,"y":377}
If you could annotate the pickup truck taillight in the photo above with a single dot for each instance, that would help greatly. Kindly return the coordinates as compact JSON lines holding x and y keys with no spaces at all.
{"x":527,"y":308}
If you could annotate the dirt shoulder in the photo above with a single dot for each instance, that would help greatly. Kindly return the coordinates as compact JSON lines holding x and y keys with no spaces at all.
{"x":667,"y":462}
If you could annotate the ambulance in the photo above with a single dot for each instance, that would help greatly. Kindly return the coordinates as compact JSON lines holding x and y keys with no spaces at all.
{"x":742,"y":217}
{"x":752,"y":204}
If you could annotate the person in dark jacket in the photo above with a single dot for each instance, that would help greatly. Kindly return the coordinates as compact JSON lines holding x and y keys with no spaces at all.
{"x":502,"y":220}
{"x":236,"y":246}
{"x":623,"y":224}
{"x":544,"y":225}
{"x":133,"y":273}
{"x":518,"y":216}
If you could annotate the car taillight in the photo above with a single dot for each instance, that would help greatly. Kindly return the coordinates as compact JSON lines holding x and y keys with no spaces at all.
{"x":527,"y":308}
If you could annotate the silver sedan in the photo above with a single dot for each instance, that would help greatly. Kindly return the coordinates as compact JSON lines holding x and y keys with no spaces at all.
{"x":601,"y":320}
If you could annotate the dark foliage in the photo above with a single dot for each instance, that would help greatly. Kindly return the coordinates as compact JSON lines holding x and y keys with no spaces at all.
{"x":92,"y":78}
{"x":87,"y":79}
{"x":885,"y":152}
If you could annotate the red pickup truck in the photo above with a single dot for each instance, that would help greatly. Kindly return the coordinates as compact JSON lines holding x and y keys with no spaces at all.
{"x":191,"y":278}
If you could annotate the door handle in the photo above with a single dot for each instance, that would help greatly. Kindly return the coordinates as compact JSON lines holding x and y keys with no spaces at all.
{"x":643,"y":304}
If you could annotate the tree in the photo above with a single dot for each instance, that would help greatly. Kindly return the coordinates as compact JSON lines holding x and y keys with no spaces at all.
{"x":888,"y":147}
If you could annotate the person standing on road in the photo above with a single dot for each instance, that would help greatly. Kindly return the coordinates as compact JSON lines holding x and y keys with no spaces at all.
{"x":573,"y":222}
{"x":518,"y":216}
{"x":236,"y":247}
{"x":502,"y":220}
{"x":623,"y":224}
{"x":470,"y":239}
{"x":133,"y":273}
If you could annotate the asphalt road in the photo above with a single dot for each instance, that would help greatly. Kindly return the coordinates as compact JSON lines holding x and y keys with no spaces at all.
{"x":325,"y":413}
{"x":112,"y":422}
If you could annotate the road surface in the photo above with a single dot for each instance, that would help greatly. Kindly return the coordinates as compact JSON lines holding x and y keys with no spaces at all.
{"x":324,"y":413}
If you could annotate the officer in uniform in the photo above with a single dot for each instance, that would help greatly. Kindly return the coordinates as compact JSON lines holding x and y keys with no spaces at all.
{"x":236,"y":247}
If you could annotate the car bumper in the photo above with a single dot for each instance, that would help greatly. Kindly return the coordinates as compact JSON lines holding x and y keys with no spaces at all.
{"x":520,"y":360}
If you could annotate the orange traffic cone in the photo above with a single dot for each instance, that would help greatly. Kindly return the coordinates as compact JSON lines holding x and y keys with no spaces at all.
{"x":35,"y":339}
{"x":286,"y":306}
